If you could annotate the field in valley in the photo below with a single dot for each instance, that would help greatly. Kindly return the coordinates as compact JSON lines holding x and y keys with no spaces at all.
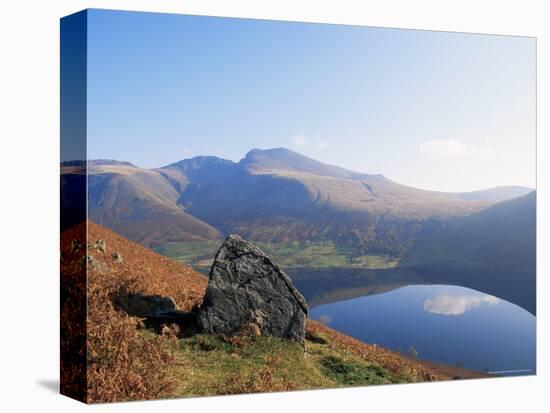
{"x":200,"y":254}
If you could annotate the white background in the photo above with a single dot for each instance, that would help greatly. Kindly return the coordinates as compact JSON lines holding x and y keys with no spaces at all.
{"x":29,"y":156}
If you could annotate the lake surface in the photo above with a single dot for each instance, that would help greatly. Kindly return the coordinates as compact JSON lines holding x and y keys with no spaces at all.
{"x":443,"y":323}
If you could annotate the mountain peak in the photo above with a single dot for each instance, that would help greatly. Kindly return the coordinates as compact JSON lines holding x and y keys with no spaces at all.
{"x":283,"y":159}
{"x":199,"y":162}
{"x":280,"y":159}
{"x":281,"y":151}
{"x":278,"y":154}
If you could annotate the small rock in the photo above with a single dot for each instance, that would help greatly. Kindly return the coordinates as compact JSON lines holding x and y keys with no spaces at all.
{"x":75,"y":245}
{"x":117,"y":257}
{"x":141,"y":305}
{"x":96,"y":264}
{"x":100,"y":245}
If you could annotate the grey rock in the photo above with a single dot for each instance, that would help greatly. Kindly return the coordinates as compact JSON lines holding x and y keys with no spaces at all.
{"x":95,"y":264}
{"x":76,"y":245}
{"x":141,"y":305}
{"x":99,"y":245}
{"x":117,"y":257}
{"x":246,"y":289}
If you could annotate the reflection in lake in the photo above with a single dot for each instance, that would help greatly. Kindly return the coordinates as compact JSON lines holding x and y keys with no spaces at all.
{"x":457,"y":305}
{"x":325,"y":286}
{"x":486,"y":328}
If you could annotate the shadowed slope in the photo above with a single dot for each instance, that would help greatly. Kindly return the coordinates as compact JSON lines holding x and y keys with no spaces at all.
{"x":502,"y":236}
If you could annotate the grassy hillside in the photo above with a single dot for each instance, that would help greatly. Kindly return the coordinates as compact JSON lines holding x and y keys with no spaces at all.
{"x":127,"y":361}
{"x":247,"y":364}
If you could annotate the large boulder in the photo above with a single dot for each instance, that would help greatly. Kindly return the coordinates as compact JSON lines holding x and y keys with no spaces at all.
{"x":247,"y":289}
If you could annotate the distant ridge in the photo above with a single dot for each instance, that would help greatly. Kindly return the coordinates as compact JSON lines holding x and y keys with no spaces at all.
{"x":198,"y":162}
{"x":110,"y":162}
{"x":499,"y":193}
{"x":78,"y":162}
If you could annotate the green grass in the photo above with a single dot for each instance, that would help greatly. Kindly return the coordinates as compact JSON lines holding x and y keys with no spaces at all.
{"x":375,"y":261}
{"x":307,"y":254}
{"x":353,"y":373}
{"x":200,"y":255}
{"x":210,"y":365}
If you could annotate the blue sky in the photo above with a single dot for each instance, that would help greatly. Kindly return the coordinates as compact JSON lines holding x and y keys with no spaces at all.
{"x":442,"y":111}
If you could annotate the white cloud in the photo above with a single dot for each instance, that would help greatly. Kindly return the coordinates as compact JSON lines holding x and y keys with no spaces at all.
{"x":454,"y":148}
{"x":300,"y":140}
{"x":303,"y":141}
{"x":457,"y":305}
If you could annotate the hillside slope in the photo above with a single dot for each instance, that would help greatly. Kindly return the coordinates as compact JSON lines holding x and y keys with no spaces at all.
{"x":142,"y":270}
{"x":497,"y":194}
{"x":127,"y":361}
{"x":502,"y":236}
{"x":137,"y":202}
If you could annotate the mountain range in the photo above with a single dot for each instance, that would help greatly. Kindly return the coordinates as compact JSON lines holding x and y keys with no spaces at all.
{"x":277,"y":196}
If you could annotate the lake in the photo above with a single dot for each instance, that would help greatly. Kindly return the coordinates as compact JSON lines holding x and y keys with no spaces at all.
{"x":449,"y":324}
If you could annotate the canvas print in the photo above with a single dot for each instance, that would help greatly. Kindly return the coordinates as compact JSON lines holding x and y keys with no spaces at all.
{"x":264,"y":206}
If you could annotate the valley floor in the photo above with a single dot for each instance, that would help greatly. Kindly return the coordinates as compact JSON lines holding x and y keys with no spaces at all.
{"x":289,"y":255}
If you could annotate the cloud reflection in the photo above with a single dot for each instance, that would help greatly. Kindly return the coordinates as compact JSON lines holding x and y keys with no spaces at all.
{"x":458,"y":304}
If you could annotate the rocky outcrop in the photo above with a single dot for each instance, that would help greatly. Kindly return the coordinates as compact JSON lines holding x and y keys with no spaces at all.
{"x":247,"y":290}
{"x":142,"y":305}
{"x":158,"y":311}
